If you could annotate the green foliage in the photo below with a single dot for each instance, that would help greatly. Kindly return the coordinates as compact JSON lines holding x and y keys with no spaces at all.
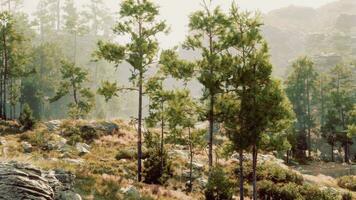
{"x":88,"y":133}
{"x":302,"y":92}
{"x":26,"y":119}
{"x":72,"y":82}
{"x":271,"y":172}
{"x":80,"y":133}
{"x":126,"y":154}
{"x":219,"y":186}
{"x":291,"y":191}
{"x":347,"y":182}
{"x":153,"y":172}
{"x":346,"y":196}
{"x":108,"y":90}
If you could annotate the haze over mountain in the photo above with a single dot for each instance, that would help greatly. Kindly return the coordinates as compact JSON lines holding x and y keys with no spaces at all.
{"x":326,"y":33}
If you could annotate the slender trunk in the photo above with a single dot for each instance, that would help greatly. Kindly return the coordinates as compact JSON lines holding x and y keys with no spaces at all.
{"x":332,"y":153}
{"x":346,"y":149}
{"x":287,"y":159}
{"x":211,"y":130}
{"x":5,"y":76}
{"x":139,"y":142}
{"x":211,"y":109}
{"x":254,"y":167}
{"x":309,"y":118}
{"x":241,"y":159}
{"x":162,"y":137}
{"x":191,"y":161}
{"x":322,"y":102}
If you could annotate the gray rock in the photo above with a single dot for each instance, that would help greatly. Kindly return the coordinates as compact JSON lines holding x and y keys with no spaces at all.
{"x":74,"y":161}
{"x":131,"y":192}
{"x":108,"y":127}
{"x":20,"y":181}
{"x":82,"y":148}
{"x":23,"y":181}
{"x":69,"y":195}
{"x":53,"y":125}
{"x":27,"y":147}
{"x":2,"y":141}
{"x":198,"y":166}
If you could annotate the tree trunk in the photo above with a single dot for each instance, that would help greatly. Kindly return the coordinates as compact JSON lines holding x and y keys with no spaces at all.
{"x":190,"y":187}
{"x":241,"y":159}
{"x":211,"y":130}
{"x":139,"y":142}
{"x":162,"y":137}
{"x":309,"y":118}
{"x":287,"y":158}
{"x":332,"y":153}
{"x":5,"y":76}
{"x":254,"y":167}
{"x":346,"y":149}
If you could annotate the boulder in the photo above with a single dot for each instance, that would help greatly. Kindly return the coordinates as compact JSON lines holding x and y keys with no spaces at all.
{"x":27,"y":147}
{"x":82,"y":148}
{"x":24,"y":181}
{"x":53,"y":125}
{"x":131,"y":192}
{"x":108,"y":127}
{"x":2,"y":141}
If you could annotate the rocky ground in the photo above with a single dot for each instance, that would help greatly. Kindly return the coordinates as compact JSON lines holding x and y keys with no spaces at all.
{"x":62,"y":160}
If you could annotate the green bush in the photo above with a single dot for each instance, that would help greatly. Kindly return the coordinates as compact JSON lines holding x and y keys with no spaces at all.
{"x":88,"y":133}
{"x":346,"y":196}
{"x":26,"y":119}
{"x":219,"y":186}
{"x":269,"y":190}
{"x":153,"y":172}
{"x":126,"y":154}
{"x":347,"y":182}
{"x":271,"y":172}
{"x":290,"y":191}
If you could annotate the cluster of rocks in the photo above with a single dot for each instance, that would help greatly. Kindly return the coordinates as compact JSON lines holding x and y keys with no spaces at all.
{"x":106,"y":127}
{"x":24,"y":181}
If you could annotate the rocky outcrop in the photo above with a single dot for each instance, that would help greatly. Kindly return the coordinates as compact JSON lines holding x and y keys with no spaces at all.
{"x":23,"y":181}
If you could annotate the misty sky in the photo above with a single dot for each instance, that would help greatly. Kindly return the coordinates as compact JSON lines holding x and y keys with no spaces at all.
{"x":176,"y":12}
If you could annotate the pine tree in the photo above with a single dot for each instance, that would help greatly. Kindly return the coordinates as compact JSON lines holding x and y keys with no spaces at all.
{"x":206,"y":29}
{"x":302,"y":92}
{"x":138,"y":20}
{"x":259,"y":102}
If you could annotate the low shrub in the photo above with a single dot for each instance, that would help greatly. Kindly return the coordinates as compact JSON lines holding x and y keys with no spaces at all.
{"x":26,"y":120}
{"x":76,"y":134}
{"x":88,"y":133}
{"x":271,"y":172}
{"x":38,"y":139}
{"x":219,"y":186}
{"x":290,"y":191}
{"x":346,"y":196}
{"x":347,"y":182}
{"x":126,"y":154}
{"x":154,"y":172}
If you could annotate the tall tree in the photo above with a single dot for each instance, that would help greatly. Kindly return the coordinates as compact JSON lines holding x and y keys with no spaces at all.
{"x":158,"y":98}
{"x":261,"y":101}
{"x":13,"y":51}
{"x":207,"y":26}
{"x":139,"y":21}
{"x":302,"y":92}
{"x":73,"y":24}
{"x":341,"y":102}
